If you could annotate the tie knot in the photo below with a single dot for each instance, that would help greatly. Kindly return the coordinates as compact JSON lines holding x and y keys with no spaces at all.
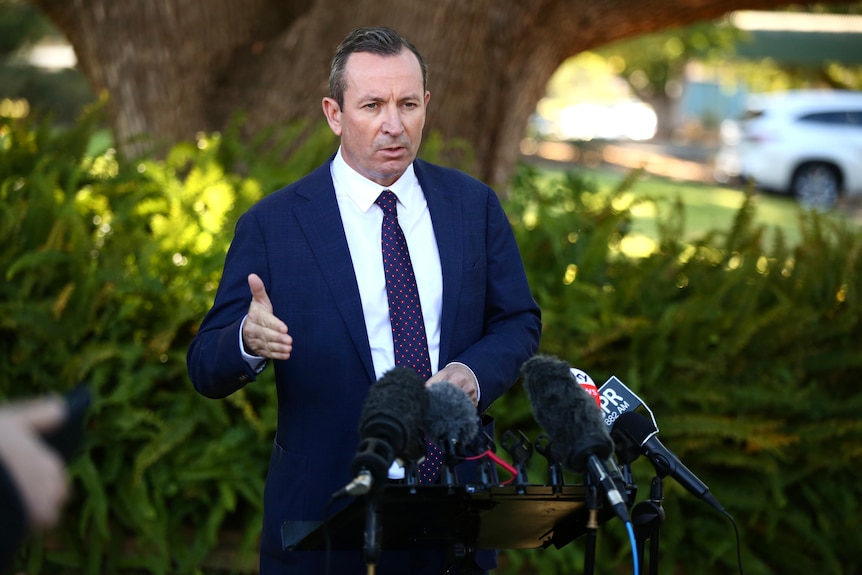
{"x":387,"y":200}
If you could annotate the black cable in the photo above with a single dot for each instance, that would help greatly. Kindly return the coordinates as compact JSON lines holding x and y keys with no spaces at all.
{"x":738,"y":543}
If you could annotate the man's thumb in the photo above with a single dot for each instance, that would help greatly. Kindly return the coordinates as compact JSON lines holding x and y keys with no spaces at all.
{"x":43,"y":414}
{"x":258,"y":291}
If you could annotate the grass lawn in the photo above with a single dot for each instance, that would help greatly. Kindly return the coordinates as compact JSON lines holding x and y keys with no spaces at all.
{"x":707,"y":207}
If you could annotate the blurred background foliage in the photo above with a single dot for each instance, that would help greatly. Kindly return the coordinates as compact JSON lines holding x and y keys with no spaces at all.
{"x":747,"y":352}
{"x":744,"y":348}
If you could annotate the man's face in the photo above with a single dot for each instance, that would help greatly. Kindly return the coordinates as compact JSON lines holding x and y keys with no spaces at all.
{"x":381,"y":122}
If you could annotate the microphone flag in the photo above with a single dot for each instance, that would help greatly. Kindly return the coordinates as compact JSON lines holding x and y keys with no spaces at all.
{"x":615,"y":399}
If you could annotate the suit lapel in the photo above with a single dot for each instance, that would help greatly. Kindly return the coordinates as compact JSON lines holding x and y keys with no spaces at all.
{"x":320,"y":220}
{"x":444,"y":204}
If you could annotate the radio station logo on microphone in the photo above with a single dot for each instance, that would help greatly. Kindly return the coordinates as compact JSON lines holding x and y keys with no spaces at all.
{"x":615,"y":399}
{"x":586,"y":382}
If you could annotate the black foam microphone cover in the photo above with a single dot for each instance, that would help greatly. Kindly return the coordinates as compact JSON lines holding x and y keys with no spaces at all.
{"x":388,"y":426}
{"x":566,"y":411}
{"x":450,"y":414}
{"x":393,"y":410}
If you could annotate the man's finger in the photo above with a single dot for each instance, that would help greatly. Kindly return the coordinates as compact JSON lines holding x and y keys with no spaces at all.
{"x":42,"y":414}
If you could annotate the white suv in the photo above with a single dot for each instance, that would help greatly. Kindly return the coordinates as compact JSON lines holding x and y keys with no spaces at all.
{"x":806,"y":143}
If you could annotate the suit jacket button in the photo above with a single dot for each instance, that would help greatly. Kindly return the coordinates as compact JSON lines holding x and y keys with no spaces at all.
{"x":244,"y":378}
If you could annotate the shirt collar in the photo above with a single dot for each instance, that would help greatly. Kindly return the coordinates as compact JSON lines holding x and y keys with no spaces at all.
{"x":363,"y":192}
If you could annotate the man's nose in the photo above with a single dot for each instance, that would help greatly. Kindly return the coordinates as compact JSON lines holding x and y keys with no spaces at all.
{"x":392,"y":123}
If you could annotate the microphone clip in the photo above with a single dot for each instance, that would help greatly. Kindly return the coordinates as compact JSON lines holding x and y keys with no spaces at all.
{"x":520,"y":448}
{"x":546,"y":447}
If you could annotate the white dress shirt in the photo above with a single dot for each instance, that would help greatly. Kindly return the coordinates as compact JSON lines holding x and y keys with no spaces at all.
{"x":362,"y":220}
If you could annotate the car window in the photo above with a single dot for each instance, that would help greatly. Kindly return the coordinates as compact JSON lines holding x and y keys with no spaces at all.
{"x":839,"y":118}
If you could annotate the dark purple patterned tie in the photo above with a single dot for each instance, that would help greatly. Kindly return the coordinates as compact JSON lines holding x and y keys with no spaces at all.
{"x":405,"y":312}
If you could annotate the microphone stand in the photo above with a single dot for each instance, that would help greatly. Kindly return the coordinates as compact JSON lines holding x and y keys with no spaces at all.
{"x":647,"y":517}
{"x":486,"y":468}
{"x":592,"y":527}
{"x":448,"y":473}
{"x":371,"y":549}
{"x":411,"y":473}
{"x":545,"y":447}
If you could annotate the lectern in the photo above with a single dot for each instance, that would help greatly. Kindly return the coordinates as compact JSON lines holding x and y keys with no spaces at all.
{"x":461,"y":518}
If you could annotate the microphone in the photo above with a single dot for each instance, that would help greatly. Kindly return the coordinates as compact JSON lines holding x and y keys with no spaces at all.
{"x":450,"y":421}
{"x":642,"y":432}
{"x":635,"y":434}
{"x":586,"y":382}
{"x":450,"y":415}
{"x":388,"y":424}
{"x":568,"y":413}
{"x":615,"y":398}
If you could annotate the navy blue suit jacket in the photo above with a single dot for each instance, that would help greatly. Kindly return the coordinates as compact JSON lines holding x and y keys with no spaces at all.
{"x":294,"y":240}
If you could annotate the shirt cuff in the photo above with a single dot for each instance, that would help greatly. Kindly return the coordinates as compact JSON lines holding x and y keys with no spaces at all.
{"x":255,"y":362}
{"x":475,"y":379}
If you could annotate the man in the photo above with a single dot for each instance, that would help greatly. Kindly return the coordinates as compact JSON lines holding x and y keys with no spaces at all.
{"x":304,"y":288}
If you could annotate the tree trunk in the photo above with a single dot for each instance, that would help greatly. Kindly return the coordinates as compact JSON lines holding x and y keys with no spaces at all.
{"x":174,"y":68}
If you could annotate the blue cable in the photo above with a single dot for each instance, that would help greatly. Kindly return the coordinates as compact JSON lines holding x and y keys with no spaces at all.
{"x":631,"y":531}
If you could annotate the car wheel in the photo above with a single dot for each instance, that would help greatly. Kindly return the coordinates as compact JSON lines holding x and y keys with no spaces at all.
{"x":816,"y":185}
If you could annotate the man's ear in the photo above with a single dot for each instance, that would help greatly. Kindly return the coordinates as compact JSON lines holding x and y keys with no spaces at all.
{"x":332,"y":111}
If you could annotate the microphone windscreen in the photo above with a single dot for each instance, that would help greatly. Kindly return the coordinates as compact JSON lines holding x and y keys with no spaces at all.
{"x":635,"y":427}
{"x":450,"y":414}
{"x":565,"y":411}
{"x":394,"y":407}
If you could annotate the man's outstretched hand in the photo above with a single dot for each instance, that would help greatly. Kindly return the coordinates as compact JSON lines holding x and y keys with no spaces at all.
{"x":263,"y":334}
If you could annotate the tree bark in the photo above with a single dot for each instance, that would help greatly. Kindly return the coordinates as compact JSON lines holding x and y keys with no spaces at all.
{"x":174,"y":68}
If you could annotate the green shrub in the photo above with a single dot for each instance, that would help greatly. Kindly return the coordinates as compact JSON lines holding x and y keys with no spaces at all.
{"x":109,"y":266}
{"x":747,"y":353}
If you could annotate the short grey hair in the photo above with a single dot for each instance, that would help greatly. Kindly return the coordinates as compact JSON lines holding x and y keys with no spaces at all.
{"x":378,"y":40}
